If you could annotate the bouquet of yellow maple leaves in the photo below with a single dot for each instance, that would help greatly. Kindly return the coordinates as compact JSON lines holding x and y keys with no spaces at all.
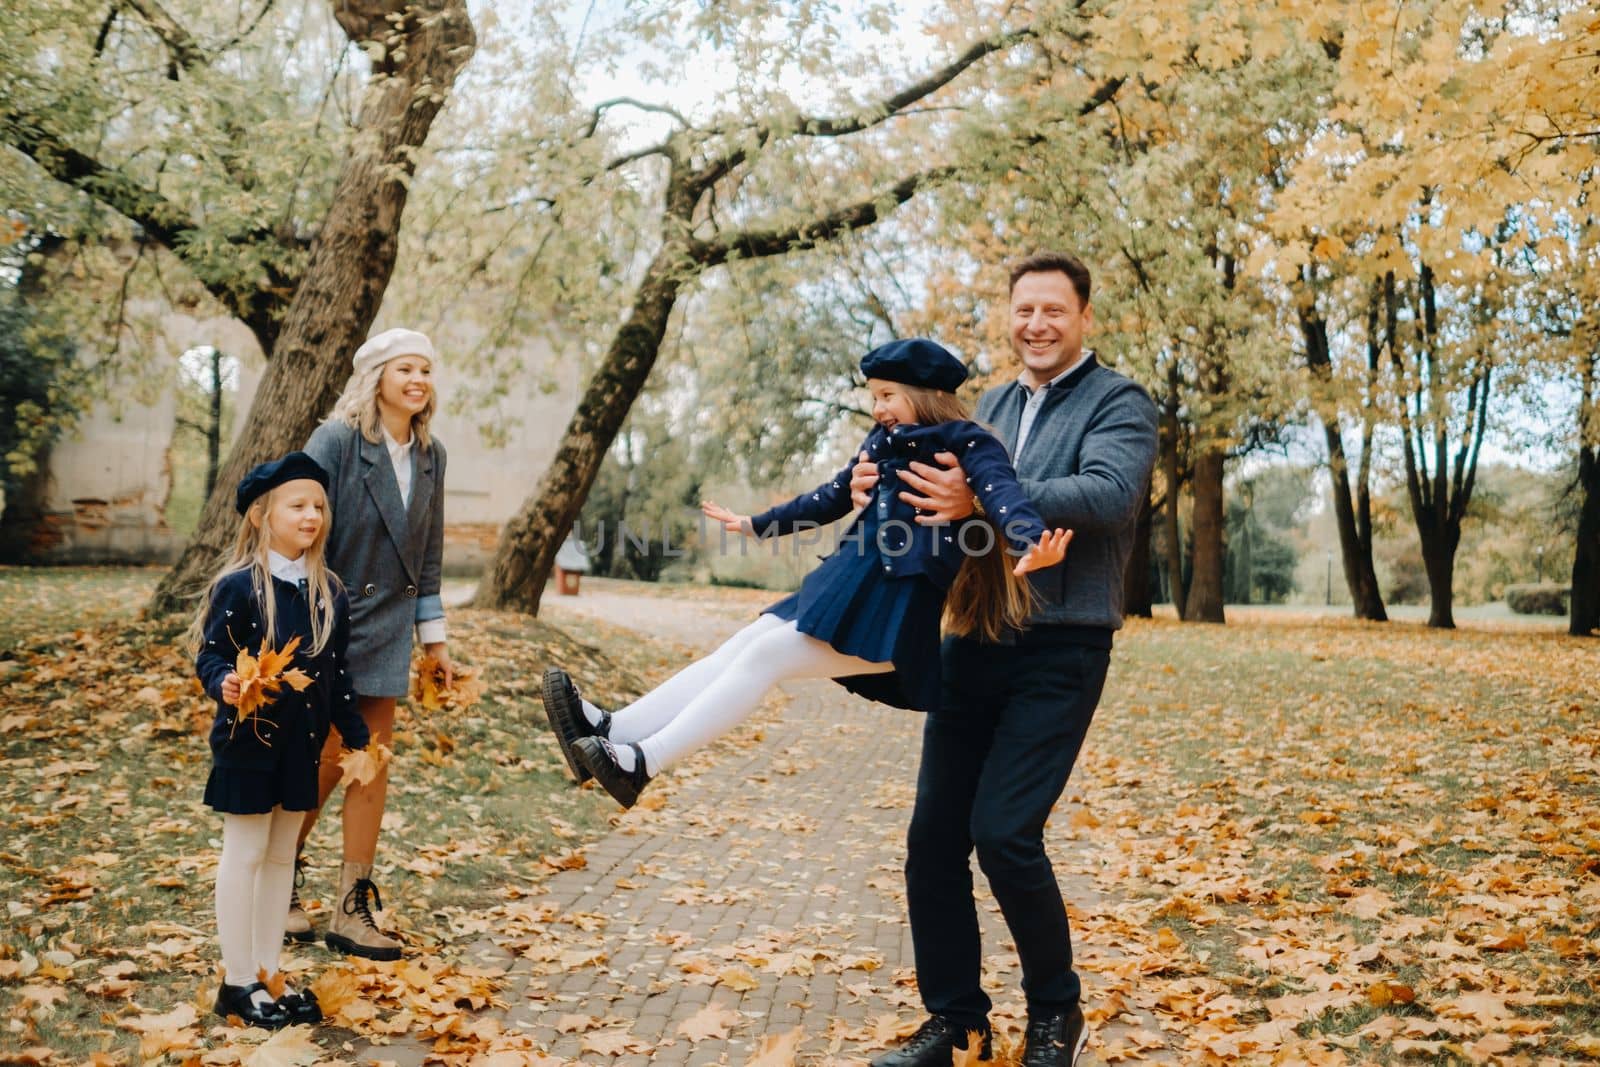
{"x":261,"y":678}
{"x":430,"y":692}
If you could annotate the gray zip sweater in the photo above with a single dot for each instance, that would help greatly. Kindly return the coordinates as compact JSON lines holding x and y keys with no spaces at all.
{"x":1086,"y":466}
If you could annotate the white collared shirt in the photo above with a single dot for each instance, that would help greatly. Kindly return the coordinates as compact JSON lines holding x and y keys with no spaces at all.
{"x":400,"y":459}
{"x":1030,"y":410}
{"x":433,"y":630}
{"x":290,"y":570}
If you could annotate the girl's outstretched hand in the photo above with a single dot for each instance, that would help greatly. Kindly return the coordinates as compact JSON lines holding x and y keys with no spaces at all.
{"x":1051,"y":549}
{"x":230,"y":689}
{"x":733,"y":523}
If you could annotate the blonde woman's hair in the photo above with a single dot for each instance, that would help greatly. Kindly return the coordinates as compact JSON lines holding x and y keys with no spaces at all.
{"x":357,"y":406}
{"x":986,"y":598}
{"x":250,"y":553}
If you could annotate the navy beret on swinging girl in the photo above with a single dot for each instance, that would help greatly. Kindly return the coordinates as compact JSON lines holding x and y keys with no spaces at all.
{"x":270,"y":475}
{"x":915,"y":361}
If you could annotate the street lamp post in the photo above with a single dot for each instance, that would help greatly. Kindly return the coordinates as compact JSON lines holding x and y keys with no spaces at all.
{"x":1328,"y":593}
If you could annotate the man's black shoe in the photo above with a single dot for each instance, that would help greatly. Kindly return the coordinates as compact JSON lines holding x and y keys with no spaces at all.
{"x":599,"y":757}
{"x":933,"y":1045}
{"x":1055,"y":1040}
{"x":564,"y":708}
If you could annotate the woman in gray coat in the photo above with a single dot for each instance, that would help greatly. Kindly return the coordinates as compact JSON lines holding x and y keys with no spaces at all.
{"x":386,"y":493}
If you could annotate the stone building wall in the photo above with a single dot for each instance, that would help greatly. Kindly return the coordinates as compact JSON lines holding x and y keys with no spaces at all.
{"x":110,"y":478}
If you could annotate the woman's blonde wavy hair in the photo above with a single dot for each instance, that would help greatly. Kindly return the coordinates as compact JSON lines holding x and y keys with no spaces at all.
{"x":986,"y":598}
{"x":357,"y":406}
{"x":250,"y":544}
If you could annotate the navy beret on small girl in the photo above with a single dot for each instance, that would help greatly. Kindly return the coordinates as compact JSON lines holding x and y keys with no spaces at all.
{"x":915,"y":361}
{"x":268,"y":476}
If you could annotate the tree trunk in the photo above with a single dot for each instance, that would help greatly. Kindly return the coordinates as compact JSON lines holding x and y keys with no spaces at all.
{"x":350,"y":261}
{"x":1354,"y":524}
{"x":1168,"y":445}
{"x":1136,"y":594}
{"x":1440,"y":487}
{"x":1204,"y":602}
{"x":1584,"y":614}
{"x":214,"y":424}
{"x":528,"y":543}
{"x":1439,"y":561}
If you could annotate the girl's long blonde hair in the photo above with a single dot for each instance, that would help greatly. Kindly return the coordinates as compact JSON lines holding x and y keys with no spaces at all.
{"x":357,"y":406}
{"x":986,"y":598}
{"x":249,"y":552}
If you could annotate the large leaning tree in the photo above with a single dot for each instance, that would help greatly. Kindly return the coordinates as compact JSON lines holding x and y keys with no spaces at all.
{"x":206,"y":180}
{"x":744,"y":186}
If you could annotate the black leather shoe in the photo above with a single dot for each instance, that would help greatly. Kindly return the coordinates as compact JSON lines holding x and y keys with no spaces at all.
{"x":301,"y":1006}
{"x":600,"y":757}
{"x":1055,"y":1040}
{"x":233,"y":1001}
{"x":564,"y":708}
{"x":933,"y":1045}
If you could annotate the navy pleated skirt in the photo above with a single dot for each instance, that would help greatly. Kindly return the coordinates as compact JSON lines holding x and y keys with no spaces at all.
{"x":852,"y":605}
{"x":292,"y":784}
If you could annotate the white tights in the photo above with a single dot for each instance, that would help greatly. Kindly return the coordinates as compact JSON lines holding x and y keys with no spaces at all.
{"x":255,"y":878}
{"x":713,"y":695}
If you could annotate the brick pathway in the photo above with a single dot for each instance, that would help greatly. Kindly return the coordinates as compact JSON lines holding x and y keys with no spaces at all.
{"x":755,"y":890}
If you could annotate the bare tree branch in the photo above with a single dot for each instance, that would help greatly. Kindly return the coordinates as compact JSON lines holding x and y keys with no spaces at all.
{"x":623,"y":160}
{"x":642,"y":105}
{"x":867,"y":117}
{"x":185,"y":50}
{"x":838,"y":126}
{"x":266,"y":6}
{"x":756,"y":244}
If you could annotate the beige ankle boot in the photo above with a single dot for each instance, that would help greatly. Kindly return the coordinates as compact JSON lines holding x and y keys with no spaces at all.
{"x":352,"y":929}
{"x":298,"y":926}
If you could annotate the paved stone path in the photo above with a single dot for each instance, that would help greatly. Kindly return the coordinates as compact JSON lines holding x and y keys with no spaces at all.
{"x":755,"y":890}
{"x":792,"y":845}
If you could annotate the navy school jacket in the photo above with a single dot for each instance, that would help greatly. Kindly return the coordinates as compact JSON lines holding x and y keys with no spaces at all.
{"x":295,"y":724}
{"x":888,"y":523}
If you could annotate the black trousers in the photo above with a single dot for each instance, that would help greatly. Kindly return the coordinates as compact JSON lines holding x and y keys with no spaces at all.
{"x":995,"y":759}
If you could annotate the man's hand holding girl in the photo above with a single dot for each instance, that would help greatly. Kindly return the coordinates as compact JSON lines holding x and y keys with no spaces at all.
{"x":941,"y":492}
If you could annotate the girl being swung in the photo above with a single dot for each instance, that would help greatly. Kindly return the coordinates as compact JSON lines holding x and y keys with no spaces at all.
{"x":275,"y":591}
{"x":869,"y":615}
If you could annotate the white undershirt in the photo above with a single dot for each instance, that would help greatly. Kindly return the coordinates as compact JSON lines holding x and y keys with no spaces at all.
{"x":290,"y":570}
{"x":432,"y":631}
{"x":400,"y":459}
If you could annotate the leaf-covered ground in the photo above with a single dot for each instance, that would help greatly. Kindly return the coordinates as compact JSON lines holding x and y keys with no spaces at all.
{"x":1286,"y":842}
{"x":109,"y":857}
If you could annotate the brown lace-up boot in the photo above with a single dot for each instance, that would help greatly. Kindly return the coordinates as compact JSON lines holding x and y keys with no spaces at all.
{"x":352,"y":928}
{"x":298,"y":927}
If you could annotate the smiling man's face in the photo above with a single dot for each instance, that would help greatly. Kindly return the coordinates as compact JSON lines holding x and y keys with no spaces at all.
{"x":1047,"y":324}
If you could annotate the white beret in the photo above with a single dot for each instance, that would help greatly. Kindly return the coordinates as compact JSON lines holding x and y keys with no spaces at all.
{"x":390,"y":344}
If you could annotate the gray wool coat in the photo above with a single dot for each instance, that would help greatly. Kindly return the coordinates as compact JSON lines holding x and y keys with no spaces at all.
{"x":387,"y":555}
{"x":1086,"y":467}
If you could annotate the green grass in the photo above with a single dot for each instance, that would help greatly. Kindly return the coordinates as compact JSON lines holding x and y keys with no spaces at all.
{"x":40,"y":602}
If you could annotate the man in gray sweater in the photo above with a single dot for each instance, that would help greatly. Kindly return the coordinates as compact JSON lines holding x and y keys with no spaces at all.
{"x":997,"y":753}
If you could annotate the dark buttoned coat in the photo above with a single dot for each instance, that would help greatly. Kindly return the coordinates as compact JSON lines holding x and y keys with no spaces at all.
{"x":273,"y":757}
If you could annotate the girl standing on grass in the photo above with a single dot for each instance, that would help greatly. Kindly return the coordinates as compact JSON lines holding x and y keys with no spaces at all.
{"x":869,"y":616}
{"x":275,"y":589}
{"x":386,"y":484}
